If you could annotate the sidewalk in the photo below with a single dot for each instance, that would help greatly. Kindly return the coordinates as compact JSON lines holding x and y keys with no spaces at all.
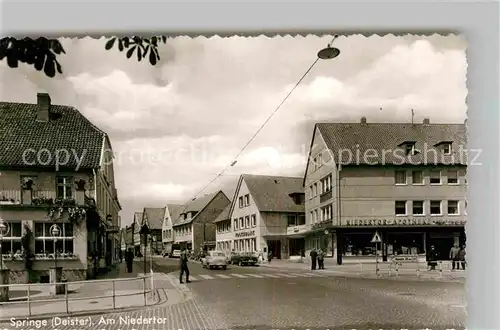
{"x":368,"y":270}
{"x":90,"y":296}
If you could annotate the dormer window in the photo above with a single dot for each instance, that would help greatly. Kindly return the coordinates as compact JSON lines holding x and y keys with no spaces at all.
{"x":409,"y":147}
{"x":447,"y":148}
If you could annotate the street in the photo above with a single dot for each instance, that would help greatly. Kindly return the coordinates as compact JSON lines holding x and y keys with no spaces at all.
{"x":267,"y":298}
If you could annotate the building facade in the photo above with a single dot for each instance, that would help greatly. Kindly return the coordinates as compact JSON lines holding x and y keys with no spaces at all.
{"x":56,"y":170}
{"x":153,"y":219}
{"x":172,"y":212}
{"x":405,"y":181}
{"x":263,"y":217}
{"x":195,"y":228}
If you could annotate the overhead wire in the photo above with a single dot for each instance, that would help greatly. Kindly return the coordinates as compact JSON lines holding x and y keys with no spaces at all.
{"x":235,"y":159}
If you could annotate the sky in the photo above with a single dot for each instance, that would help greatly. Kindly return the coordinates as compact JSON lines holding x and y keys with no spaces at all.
{"x":175,"y":126}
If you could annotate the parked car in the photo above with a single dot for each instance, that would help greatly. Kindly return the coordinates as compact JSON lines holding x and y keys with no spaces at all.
{"x":244,"y":259}
{"x":214,"y":259}
{"x":175,"y":254}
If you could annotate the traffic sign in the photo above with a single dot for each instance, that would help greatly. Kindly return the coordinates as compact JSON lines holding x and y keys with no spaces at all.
{"x":376,"y":238}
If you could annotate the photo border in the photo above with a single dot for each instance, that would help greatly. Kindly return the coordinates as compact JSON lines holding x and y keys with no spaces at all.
{"x":478,"y":21}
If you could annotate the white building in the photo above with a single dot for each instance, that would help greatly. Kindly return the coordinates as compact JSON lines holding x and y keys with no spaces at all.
{"x":172,"y":213}
{"x":262,"y":210}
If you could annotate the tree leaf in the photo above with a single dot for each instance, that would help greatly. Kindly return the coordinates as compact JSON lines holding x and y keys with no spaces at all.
{"x":58,"y":66}
{"x":50,"y":69}
{"x":154,"y":41}
{"x":126,"y":42}
{"x":139,"y":54}
{"x":39,"y":61}
{"x":110,"y":43}
{"x":120,"y":45}
{"x":12,"y":61}
{"x":164,"y":39}
{"x":152,"y":57}
{"x":130,"y":52}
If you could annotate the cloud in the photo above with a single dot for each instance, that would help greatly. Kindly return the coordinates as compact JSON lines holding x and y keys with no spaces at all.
{"x":175,"y":126}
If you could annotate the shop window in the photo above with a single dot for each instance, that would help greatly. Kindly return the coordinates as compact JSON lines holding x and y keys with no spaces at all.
{"x":400,"y":208}
{"x":436,"y":208}
{"x":400,"y":177}
{"x":418,"y":207}
{"x":357,"y":245}
{"x":11,"y":242}
{"x":453,"y":208}
{"x":405,"y":243}
{"x":44,"y":242}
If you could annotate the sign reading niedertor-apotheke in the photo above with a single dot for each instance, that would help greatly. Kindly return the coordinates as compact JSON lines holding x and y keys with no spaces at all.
{"x":403,"y":222}
{"x":245,"y":234}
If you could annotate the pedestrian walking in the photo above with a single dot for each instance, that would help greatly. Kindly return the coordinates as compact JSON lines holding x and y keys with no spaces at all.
{"x":129,"y":259}
{"x":321,"y":259}
{"x":454,"y":257}
{"x":461,"y":257}
{"x":314,"y":255}
{"x":432,"y":258}
{"x":184,"y":267}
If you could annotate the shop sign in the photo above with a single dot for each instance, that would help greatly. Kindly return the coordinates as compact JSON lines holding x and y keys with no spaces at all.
{"x":403,"y":259}
{"x":297,"y":229}
{"x":245,"y":234}
{"x":404,"y":222}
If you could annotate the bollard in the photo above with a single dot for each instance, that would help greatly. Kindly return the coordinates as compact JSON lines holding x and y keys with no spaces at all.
{"x":418,"y":268}
{"x":397,"y":269}
{"x":29,"y":299}
{"x":114,"y":295}
{"x":440,"y":270}
{"x":66,"y":297}
{"x":144,"y":289}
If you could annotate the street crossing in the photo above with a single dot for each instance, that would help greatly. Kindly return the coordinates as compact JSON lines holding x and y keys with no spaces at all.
{"x":228,"y":276}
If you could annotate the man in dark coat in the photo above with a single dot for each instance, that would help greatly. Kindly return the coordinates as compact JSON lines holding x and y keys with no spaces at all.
{"x":129,"y":259}
{"x":184,"y":267}
{"x":314,"y":258}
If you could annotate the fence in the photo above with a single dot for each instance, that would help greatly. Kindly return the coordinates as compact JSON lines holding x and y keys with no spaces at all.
{"x":407,"y":266}
{"x":79,"y":296}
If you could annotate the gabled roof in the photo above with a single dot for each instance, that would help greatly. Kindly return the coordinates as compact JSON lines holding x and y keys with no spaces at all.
{"x":272,"y":193}
{"x":224,"y":215}
{"x":196,"y":205}
{"x":380,"y":142}
{"x":153,"y":217}
{"x":67,"y":129}
{"x":175,"y":211}
{"x":137,"y":221}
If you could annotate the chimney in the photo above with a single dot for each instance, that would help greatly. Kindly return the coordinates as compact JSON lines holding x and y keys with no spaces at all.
{"x":426,"y":121}
{"x":363,"y":120}
{"x":43,"y":112}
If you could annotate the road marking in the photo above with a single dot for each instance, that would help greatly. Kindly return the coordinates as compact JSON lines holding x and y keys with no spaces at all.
{"x":255,"y":275}
{"x":193,"y":278}
{"x":238,"y":275}
{"x":207,"y":277}
{"x":271,"y":275}
{"x":316,"y":274}
{"x":287,"y":275}
{"x":300,"y":274}
{"x":222,"y":276}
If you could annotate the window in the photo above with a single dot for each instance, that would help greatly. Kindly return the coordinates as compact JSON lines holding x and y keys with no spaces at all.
{"x":64,"y":187}
{"x":44,"y":242}
{"x":400,"y":177}
{"x":465,"y":208}
{"x":453,"y":208}
{"x":247,"y":200}
{"x":410,"y":149}
{"x":326,"y":213}
{"x":315,"y":189}
{"x":11,"y":243}
{"x":436,"y":208}
{"x":447,"y":148}
{"x":417,"y":177}
{"x":235,"y":225}
{"x":326,"y":184}
{"x":240,"y":201}
{"x":418,"y":207}
{"x":435,"y":177}
{"x":254,"y":220}
{"x":242,"y":224}
{"x":247,"y":222}
{"x":400,"y":208}
{"x":453,"y":177}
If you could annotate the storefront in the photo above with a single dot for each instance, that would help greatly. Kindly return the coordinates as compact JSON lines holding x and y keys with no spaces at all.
{"x":245,"y":241}
{"x":401,"y":238}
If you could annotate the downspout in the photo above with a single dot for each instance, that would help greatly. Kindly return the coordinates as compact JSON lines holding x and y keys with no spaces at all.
{"x":339,"y":215}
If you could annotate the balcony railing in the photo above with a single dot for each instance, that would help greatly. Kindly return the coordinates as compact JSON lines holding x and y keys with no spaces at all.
{"x":325,"y":196}
{"x":38,"y":197}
